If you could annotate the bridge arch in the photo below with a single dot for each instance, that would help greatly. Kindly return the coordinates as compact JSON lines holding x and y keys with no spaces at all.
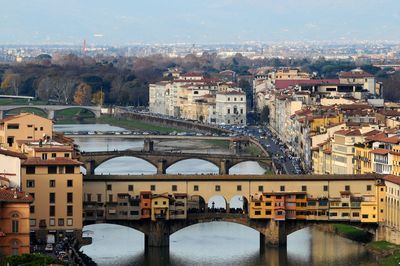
{"x":176,"y":162}
{"x":217,"y":203}
{"x":107,"y":159}
{"x":253,"y":168}
{"x":239,"y":204}
{"x":69,"y":111}
{"x":28,"y":109}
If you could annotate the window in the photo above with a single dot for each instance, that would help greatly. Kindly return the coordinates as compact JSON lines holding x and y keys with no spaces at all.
{"x":60,"y":222}
{"x":130,"y":187}
{"x":10,"y":141}
{"x":174,"y":187}
{"x":325,"y":188}
{"x":52,"y":210}
{"x":229,"y":111}
{"x":15,"y":225}
{"x":70,"y":210}
{"x":69,"y":183}
{"x":365,"y":216}
{"x":69,"y":169}
{"x":257,"y":212}
{"x":109,"y":187}
{"x":13,"y":126}
{"x":303,"y":188}
{"x":356,"y":214}
{"x":98,"y":197}
{"x":30,"y":183}
{"x":30,"y":170}
{"x":32,"y":209}
{"x":347,"y":188}
{"x":155,"y":202}
{"x":61,"y":169}
{"x":369,"y":188}
{"x":260,"y":188}
{"x":66,"y":155}
{"x":41,"y":128}
{"x":239,"y":188}
{"x":52,"y":197}
{"x":32,"y":222}
{"x":52,"y":183}
{"x":52,"y":222}
{"x":217,"y":188}
{"x":29,"y":125}
{"x":70,"y":197}
{"x":110,"y":198}
{"x":69,"y":222}
{"x":152,"y":187}
{"x":44,"y":156}
{"x":282,"y":188}
{"x":52,"y":169}
{"x":53,"y":155}
{"x":268,"y":213}
{"x":195,"y":188}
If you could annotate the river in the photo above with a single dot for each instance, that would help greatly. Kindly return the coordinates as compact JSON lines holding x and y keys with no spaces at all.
{"x":216,"y":243}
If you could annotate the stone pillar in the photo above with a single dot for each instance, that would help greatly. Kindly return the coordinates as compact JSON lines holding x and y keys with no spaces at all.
{"x":148,"y":145}
{"x":274,"y":234}
{"x":161,"y":167}
{"x":224,"y":167}
{"x":156,"y":256}
{"x":90,"y":165}
{"x":158,"y":235}
{"x":50,"y":114}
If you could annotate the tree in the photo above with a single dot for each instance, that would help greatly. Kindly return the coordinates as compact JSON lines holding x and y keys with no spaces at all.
{"x":83,"y":94}
{"x":98,"y":98}
{"x":11,"y":81}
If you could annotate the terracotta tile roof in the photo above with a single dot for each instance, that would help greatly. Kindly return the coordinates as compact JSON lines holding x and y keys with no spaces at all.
{"x":372,"y":133}
{"x":55,"y":161}
{"x":53,"y":149}
{"x":12,"y":195}
{"x":192,"y":74}
{"x":380,"y":151}
{"x":393,"y":179}
{"x":392,"y":139}
{"x":349,"y":132}
{"x":13,"y":117}
{"x":12,"y":154}
{"x":376,"y":137}
{"x":355,"y":74}
{"x":286,"y":83}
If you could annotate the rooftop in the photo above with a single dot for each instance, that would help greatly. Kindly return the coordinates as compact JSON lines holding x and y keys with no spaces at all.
{"x":35,"y":161}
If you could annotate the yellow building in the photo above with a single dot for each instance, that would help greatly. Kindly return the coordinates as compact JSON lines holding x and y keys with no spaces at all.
{"x":392,"y":202}
{"x":25,"y":126}
{"x":160,"y":207}
{"x":56,"y":185}
{"x":14,"y":222}
{"x":362,"y":158}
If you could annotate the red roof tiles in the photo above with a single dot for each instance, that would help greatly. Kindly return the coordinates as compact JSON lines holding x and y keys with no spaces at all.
{"x":393,"y":179}
{"x":55,"y":161}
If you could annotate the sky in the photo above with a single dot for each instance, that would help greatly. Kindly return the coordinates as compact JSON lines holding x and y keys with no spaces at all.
{"x":124,"y":22}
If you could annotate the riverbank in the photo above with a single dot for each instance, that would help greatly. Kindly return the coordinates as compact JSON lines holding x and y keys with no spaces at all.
{"x":352,"y":233}
{"x":388,"y":253}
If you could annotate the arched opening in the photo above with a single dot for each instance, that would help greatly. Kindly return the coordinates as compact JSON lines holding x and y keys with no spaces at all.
{"x":193,"y":166}
{"x":125,"y":165}
{"x":247,"y":168}
{"x":217,"y":203}
{"x":74,"y":113}
{"x":215,"y":243}
{"x":196,"y":204}
{"x":239,"y":204}
{"x":111,"y":243}
{"x":32,"y":110}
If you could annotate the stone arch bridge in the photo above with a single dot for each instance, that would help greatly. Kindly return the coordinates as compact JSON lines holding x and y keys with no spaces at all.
{"x":50,"y":109}
{"x":163,"y":160}
{"x":273,"y":232}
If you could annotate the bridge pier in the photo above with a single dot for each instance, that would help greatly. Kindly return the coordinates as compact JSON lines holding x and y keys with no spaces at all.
{"x":161,"y":167}
{"x":273,"y":234}
{"x":148,"y":145}
{"x":90,"y":166}
{"x":50,"y":114}
{"x":158,"y":235}
{"x":224,"y":167}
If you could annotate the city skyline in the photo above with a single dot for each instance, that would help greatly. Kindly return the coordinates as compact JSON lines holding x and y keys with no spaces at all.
{"x":177,"y":21}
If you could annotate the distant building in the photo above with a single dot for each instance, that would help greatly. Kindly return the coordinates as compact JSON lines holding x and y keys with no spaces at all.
{"x":25,"y":126}
{"x":231,"y":108}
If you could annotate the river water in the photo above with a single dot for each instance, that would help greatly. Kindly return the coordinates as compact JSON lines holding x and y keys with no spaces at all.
{"x":216,"y":243}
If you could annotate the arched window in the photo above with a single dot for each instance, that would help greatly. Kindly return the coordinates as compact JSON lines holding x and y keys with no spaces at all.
{"x":15,"y":223}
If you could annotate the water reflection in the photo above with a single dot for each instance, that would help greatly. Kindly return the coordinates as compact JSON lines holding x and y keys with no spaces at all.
{"x":220,"y":243}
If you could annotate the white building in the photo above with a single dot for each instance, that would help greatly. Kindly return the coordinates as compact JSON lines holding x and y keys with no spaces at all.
{"x":231,"y":107}
{"x":10,"y":167}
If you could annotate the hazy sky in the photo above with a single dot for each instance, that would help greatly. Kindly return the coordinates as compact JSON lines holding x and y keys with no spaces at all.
{"x":196,"y":21}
